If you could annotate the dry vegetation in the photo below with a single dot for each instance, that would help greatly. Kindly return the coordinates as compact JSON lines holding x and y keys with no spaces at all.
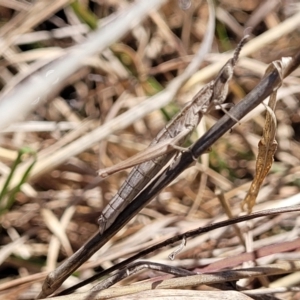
{"x":90,"y":115}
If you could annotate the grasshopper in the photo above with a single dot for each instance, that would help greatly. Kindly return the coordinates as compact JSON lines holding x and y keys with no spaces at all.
{"x":167,"y":143}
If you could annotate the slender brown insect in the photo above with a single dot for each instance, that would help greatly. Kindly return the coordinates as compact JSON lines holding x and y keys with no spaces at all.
{"x":167,"y":143}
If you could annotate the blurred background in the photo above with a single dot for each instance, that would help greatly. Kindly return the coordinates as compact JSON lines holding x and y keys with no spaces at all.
{"x":51,"y":149}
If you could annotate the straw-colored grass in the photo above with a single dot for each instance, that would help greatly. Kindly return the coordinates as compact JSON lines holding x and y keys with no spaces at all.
{"x":87,"y":84}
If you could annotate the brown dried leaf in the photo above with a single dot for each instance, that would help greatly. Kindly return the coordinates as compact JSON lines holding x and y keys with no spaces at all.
{"x":267,"y":145}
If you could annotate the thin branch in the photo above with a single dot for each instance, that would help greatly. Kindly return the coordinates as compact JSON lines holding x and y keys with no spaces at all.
{"x":136,"y":267}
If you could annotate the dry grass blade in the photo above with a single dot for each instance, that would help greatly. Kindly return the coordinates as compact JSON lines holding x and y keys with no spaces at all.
{"x":193,"y":280}
{"x":168,"y":293}
{"x":267,"y":145}
{"x":58,"y":230}
{"x":137,"y":267}
{"x":51,"y":77}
